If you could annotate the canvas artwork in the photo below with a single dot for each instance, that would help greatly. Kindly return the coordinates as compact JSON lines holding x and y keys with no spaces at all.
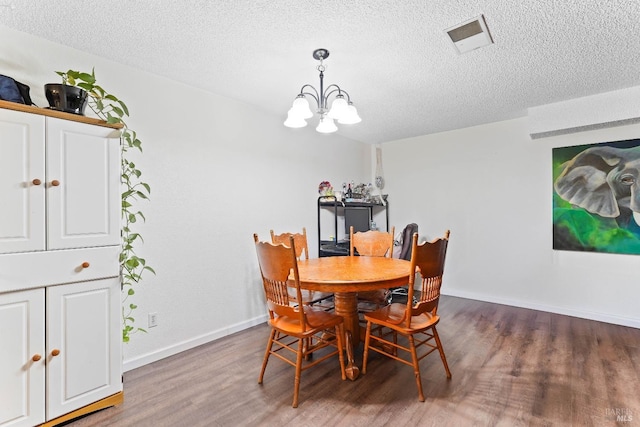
{"x":596,"y":197}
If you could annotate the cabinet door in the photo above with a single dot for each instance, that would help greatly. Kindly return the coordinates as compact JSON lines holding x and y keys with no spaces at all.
{"x":83,"y":344}
{"x":22,"y":165}
{"x":83,"y":185}
{"x":22,"y":362}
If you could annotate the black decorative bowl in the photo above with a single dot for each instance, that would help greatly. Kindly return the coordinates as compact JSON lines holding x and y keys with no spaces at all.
{"x":70,"y":99}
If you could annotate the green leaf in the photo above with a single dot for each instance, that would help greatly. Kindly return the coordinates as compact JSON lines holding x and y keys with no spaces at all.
{"x":118,"y":111}
{"x":124,"y":107}
{"x":87,"y":78}
{"x":85,"y":86}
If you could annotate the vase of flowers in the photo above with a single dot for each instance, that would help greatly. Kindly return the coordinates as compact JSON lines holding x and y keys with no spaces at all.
{"x":325,"y":189}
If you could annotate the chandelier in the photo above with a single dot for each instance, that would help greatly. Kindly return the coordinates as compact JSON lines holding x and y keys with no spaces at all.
{"x":341,"y":109}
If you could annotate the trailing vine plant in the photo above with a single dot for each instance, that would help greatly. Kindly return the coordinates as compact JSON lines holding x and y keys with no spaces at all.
{"x":113,"y":111}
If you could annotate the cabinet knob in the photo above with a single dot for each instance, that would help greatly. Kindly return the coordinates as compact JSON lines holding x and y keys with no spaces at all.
{"x":55,"y":183}
{"x":85,"y":264}
{"x":36,"y":357}
{"x":36,"y":182}
{"x":55,"y":352}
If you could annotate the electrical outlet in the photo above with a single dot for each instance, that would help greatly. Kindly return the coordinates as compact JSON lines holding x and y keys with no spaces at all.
{"x":153,"y":320}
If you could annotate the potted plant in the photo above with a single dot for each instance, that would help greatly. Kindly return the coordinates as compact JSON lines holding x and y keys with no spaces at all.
{"x":113,"y":110}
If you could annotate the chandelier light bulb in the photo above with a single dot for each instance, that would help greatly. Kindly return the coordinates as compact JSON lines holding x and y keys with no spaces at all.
{"x":338,"y":107}
{"x":350,"y":116}
{"x":301,"y":108}
{"x":326,"y":125}
{"x":294,"y":121}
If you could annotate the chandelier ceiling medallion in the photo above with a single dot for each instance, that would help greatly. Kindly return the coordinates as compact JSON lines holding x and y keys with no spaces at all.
{"x":341,"y":109}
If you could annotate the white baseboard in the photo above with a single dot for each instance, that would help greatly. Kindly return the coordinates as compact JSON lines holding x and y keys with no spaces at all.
{"x":154,"y":356}
{"x":600,"y":317}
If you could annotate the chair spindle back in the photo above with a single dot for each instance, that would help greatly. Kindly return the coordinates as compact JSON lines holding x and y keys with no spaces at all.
{"x":427,"y":260}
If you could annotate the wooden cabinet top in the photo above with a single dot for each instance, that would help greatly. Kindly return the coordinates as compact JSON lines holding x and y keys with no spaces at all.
{"x":55,"y":113}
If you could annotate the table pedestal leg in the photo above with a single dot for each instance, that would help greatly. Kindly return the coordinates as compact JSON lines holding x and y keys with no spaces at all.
{"x":346,"y":305}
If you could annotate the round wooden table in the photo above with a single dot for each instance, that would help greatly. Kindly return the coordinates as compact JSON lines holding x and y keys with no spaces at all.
{"x":345,"y":276}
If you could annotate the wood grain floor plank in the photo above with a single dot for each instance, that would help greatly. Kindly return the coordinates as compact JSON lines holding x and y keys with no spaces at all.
{"x":510,"y":366}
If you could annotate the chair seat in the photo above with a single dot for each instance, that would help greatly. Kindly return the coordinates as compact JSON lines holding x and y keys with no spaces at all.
{"x":291,"y":326}
{"x":392,"y":315}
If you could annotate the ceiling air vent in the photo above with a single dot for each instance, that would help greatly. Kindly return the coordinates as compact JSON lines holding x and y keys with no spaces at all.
{"x":469,"y":35}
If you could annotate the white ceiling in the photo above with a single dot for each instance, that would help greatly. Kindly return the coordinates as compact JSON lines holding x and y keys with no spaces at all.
{"x":393,"y":57}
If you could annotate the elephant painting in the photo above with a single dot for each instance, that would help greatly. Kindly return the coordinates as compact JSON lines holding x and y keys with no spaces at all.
{"x":597,"y":198}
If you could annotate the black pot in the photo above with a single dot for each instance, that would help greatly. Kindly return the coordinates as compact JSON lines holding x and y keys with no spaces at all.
{"x":70,"y":99}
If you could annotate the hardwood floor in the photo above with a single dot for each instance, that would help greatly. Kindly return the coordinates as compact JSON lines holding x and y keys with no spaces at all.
{"x":510,"y":367}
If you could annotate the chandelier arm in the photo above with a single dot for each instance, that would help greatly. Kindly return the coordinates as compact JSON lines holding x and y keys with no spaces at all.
{"x":328,"y":92}
{"x":315,"y":95}
{"x":346,"y":93}
{"x":340,"y":91}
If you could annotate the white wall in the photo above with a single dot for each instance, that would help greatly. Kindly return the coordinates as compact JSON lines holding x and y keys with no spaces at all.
{"x":491,"y":185}
{"x":220,"y":171}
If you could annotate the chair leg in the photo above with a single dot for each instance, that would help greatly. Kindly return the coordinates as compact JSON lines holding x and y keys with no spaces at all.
{"x":339,"y":335}
{"x":395,"y":341}
{"x":266,"y":355}
{"x":441,"y":350}
{"x":296,"y":381}
{"x":365,"y":356}
{"x":416,"y":367}
{"x":305,"y":350}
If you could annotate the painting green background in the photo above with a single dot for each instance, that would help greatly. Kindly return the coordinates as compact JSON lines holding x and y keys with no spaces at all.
{"x":577,"y":229}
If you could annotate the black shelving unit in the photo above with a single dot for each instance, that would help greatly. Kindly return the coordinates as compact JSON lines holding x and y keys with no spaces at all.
{"x":335,"y":247}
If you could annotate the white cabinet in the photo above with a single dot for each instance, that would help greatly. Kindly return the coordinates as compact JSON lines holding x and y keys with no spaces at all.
{"x":22,"y":367}
{"x":22,"y":184}
{"x":59,"y":181}
{"x":83,"y":329}
{"x":60,"y":303}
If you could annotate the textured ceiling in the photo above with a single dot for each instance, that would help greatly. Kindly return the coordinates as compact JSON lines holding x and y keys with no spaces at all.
{"x":393,"y":57}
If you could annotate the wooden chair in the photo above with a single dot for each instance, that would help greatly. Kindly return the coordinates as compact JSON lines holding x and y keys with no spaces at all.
{"x":300,"y":240}
{"x":299,"y":323}
{"x":372,"y":243}
{"x":416,"y":322}
{"x":302,"y":252}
